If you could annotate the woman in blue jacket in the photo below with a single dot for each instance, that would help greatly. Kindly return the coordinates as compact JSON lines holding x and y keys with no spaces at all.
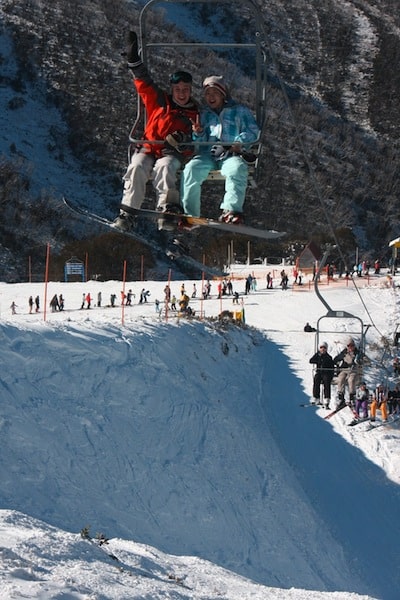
{"x":232,"y":127}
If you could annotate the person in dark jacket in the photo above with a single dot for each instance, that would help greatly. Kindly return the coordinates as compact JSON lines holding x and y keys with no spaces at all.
{"x":349,"y":363}
{"x":323,"y":374}
{"x":167,"y":143}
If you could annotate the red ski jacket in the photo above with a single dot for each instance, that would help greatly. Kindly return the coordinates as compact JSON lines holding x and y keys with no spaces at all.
{"x":163,"y":115}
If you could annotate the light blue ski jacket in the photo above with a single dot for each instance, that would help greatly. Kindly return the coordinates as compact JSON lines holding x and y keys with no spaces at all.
{"x":235,"y":123}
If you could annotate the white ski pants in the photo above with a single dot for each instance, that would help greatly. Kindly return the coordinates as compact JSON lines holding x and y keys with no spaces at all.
{"x":162,"y":171}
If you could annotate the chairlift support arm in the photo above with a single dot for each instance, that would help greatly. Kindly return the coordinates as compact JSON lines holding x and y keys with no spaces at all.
{"x":335,"y":314}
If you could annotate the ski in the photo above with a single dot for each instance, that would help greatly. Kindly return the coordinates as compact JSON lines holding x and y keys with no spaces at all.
{"x":377,"y":424}
{"x":267,"y":234}
{"x":173,"y":253}
{"x":310,"y":405}
{"x":334,"y":412}
{"x":356,"y":421}
{"x":100,"y":542}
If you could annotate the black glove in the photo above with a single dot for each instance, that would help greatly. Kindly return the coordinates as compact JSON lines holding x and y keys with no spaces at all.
{"x":132,"y":50}
{"x":175,"y":139}
{"x":248,"y":157}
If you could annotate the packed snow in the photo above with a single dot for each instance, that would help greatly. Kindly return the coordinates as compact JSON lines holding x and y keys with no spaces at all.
{"x":145,"y":457}
{"x":182,"y":443}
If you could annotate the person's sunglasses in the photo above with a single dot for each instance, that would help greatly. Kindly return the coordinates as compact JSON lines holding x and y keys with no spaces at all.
{"x":179,"y":76}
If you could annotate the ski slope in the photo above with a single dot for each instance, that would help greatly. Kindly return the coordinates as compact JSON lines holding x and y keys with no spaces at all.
{"x":184,"y":443}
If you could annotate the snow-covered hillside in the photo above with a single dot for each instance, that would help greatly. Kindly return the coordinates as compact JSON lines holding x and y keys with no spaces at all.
{"x":65,"y":93}
{"x":188,"y":437}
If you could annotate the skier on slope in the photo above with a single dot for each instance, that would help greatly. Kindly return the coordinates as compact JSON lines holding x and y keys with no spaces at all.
{"x":169,"y":121}
{"x":323,"y":374}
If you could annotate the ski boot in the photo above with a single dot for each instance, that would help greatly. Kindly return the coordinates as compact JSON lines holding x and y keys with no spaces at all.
{"x":124,"y":221}
{"x":229,"y":216}
{"x":342,"y":401}
{"x":168,"y":222}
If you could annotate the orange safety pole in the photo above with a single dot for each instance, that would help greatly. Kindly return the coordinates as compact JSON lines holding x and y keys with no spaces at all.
{"x":202,"y":290}
{"x":86,"y":266}
{"x":123,"y":294}
{"x":46,"y":280}
{"x":166,"y":301}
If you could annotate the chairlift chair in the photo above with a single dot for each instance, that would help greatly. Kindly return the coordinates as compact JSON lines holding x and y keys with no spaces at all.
{"x":256,"y":47}
{"x":353,"y":325}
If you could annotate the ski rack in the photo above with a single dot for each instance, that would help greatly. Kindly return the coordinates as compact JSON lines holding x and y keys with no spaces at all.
{"x":257,"y":45}
{"x":359,"y":330}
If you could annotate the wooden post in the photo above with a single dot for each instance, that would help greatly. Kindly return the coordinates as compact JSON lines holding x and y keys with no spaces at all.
{"x":46,"y":280}
{"x":123,"y":294}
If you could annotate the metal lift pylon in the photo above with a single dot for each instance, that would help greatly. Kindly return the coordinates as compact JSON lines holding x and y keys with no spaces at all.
{"x":358,"y":330}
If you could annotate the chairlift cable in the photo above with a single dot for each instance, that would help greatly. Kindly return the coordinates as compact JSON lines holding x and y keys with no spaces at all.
{"x":313,"y":179}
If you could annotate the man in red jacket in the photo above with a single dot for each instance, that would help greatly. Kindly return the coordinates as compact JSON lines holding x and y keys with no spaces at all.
{"x":169,"y":122}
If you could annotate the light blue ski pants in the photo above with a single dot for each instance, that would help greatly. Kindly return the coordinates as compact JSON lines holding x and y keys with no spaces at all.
{"x":233,"y":168}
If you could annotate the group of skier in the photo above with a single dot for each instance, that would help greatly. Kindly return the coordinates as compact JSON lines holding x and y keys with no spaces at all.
{"x":179,"y":134}
{"x":346,"y":367}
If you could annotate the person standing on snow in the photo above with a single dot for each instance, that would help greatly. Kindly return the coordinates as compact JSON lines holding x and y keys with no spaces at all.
{"x":169,"y":122}
{"x":231,"y":126}
{"x":54,"y":303}
{"x":323,"y":374}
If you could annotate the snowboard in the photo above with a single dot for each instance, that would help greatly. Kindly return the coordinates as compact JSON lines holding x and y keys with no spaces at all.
{"x":194,"y":222}
{"x":174,"y":252}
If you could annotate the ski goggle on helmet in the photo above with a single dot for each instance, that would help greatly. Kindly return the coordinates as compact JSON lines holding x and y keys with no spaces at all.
{"x":179,"y":76}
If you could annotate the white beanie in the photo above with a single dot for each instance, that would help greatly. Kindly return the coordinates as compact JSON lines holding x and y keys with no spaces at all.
{"x":324,"y":344}
{"x":216,"y":81}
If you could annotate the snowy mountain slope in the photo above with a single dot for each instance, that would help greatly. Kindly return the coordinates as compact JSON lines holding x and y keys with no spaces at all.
{"x":189,"y":437}
{"x":40,"y":561}
{"x":337,"y":66}
{"x":34,"y":131}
